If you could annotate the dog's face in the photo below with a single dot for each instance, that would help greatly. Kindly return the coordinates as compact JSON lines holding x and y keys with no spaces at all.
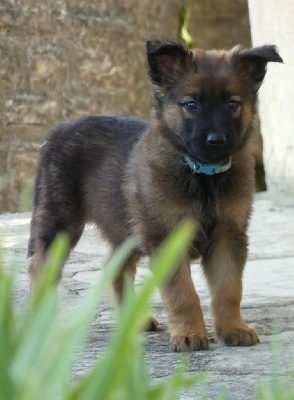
{"x":205,"y":100}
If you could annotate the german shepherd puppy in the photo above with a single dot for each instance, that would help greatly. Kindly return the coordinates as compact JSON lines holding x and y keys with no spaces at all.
{"x":192,"y":160}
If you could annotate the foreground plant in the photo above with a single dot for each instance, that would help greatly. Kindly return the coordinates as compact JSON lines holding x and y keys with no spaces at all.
{"x":38,"y":352}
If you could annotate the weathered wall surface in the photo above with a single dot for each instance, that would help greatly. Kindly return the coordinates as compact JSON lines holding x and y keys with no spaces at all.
{"x":273,"y":23}
{"x":63,"y":59}
{"x":219,"y":23}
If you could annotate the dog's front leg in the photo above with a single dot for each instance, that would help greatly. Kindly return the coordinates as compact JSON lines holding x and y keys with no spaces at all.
{"x":223,"y":264}
{"x":185,"y":316}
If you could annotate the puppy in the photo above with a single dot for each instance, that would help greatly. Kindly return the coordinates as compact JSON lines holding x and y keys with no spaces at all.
{"x":192,"y":160}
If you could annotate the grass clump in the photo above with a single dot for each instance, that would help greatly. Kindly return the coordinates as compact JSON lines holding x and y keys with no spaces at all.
{"x":38,"y":352}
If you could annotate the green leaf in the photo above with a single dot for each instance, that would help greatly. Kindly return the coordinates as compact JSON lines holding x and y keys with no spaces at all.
{"x":184,"y":17}
{"x":8,"y":332}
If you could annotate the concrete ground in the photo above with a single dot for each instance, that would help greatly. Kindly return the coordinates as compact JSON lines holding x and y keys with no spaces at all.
{"x":268,"y":299}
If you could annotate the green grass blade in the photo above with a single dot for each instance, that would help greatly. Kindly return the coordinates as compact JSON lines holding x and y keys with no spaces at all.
{"x":8,"y":332}
{"x":35,"y":339}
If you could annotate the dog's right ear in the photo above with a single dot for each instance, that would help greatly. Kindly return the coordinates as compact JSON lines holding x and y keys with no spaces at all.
{"x":166,"y":62}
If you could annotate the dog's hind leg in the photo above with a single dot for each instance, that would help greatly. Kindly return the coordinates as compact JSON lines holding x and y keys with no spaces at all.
{"x":58,"y":207}
{"x":45,"y":225}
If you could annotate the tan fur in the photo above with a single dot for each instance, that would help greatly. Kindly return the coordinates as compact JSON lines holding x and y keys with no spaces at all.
{"x":185,"y":316}
{"x":225,"y":282}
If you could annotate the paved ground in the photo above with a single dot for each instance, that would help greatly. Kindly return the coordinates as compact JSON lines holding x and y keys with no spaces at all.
{"x":268,"y":298}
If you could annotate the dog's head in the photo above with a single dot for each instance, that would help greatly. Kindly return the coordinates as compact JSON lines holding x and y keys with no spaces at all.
{"x":205,"y":100}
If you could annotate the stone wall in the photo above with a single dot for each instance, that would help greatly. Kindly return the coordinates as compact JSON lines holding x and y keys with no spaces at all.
{"x":64,"y":59}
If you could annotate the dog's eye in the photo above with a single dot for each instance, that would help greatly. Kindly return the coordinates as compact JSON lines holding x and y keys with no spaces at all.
{"x":191,"y":105}
{"x":234,"y":105}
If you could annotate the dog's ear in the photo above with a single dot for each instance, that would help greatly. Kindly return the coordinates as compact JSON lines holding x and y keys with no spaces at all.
{"x":166,"y":62}
{"x":252,"y":63}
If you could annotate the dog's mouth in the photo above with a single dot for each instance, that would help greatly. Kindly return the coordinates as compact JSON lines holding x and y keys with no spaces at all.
{"x":209,"y":156}
{"x":210,"y":150}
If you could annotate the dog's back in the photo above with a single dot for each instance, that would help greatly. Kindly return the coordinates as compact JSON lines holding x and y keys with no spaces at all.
{"x":79,"y":180}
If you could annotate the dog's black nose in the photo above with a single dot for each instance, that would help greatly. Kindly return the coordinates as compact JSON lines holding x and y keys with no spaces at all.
{"x":216,"y":139}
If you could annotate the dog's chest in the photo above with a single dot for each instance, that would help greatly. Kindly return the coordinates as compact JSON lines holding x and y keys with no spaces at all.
{"x":203,"y":199}
{"x":160,"y":201}
{"x":198,"y":200}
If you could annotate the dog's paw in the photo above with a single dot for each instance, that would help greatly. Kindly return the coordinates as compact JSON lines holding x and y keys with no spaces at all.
{"x":151,"y":325}
{"x":239,"y":337}
{"x":189,"y":343}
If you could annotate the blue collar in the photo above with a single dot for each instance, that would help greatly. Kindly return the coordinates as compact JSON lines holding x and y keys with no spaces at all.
{"x":207,"y":169}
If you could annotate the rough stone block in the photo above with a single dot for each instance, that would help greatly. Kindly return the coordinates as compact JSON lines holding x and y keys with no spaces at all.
{"x":6,"y":178}
{"x":24,"y":162}
{"x":11,"y":16}
{"x":47,"y":67}
{"x":101,"y":104}
{"x":13,"y":64}
{"x":38,"y":16}
{"x":220,"y":24}
{"x":23,"y":133}
{"x":4,"y":152}
{"x":31,"y":109}
{"x":16,"y":186}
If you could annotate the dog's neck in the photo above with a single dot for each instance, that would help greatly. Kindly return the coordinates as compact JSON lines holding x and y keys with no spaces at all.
{"x":207,"y":169}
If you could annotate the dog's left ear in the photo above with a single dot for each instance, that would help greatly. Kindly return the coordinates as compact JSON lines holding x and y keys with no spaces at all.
{"x":166,"y":62}
{"x":252,"y":63}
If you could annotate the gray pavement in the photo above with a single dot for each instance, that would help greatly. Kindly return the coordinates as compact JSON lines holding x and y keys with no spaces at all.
{"x":268,"y":299}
